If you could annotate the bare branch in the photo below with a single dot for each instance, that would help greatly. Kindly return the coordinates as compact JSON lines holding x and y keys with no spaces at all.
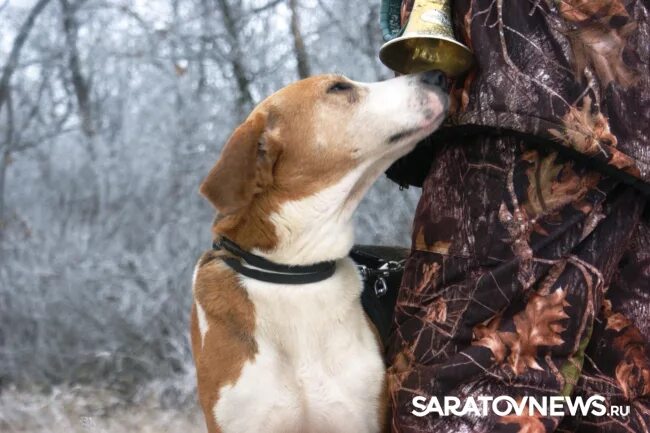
{"x":80,"y":84}
{"x":236,"y":56}
{"x":302,"y":59}
{"x":17,"y":47}
{"x":269,"y":5}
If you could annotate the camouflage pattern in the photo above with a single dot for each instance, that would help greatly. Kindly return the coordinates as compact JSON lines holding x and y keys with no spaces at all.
{"x":574,"y":72}
{"x":530,"y":264}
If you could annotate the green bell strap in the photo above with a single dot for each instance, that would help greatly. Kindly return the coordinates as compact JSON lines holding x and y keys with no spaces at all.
{"x":390,"y":19}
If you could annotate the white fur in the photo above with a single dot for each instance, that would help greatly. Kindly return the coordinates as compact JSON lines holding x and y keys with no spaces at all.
{"x":314,"y":229}
{"x":318,"y":367}
{"x":395,"y":106}
{"x":194,"y":274}
{"x":318,"y":228}
{"x":203,"y":322}
{"x":204,"y":326}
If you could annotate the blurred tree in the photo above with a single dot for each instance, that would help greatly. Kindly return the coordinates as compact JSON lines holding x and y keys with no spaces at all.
{"x":236,"y":55}
{"x":9,"y":144}
{"x":80,"y":84}
{"x":302,"y":60}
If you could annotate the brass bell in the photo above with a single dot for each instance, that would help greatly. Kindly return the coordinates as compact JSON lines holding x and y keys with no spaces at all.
{"x":426,"y":42}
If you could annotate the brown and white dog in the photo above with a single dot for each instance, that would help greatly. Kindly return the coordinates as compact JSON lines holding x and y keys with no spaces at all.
{"x":279,"y":358}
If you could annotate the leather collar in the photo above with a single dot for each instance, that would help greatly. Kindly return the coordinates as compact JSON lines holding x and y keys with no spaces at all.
{"x":259,"y":268}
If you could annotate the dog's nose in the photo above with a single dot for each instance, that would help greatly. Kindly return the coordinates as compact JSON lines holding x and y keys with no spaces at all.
{"x":434,"y":78}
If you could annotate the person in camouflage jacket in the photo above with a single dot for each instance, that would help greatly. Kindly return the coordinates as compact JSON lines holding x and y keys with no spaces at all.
{"x":529,"y":273}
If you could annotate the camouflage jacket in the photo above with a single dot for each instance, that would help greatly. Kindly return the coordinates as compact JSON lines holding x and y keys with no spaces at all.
{"x":530,"y":266}
{"x":572,"y":73}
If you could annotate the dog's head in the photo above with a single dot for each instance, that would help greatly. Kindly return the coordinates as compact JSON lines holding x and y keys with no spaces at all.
{"x":320,"y":133}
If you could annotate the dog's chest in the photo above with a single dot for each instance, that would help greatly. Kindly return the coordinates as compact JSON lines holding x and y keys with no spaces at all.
{"x":318,"y":366}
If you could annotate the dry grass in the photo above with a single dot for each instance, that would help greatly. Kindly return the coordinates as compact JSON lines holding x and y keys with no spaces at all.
{"x":77,"y":409}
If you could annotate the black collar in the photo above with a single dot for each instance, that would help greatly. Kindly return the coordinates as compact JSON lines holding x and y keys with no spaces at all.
{"x":259,"y":268}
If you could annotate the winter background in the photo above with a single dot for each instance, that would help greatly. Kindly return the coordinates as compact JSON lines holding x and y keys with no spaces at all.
{"x":111,"y":112}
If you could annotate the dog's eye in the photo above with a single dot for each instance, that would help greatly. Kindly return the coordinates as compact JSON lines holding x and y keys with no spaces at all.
{"x":340,"y":86}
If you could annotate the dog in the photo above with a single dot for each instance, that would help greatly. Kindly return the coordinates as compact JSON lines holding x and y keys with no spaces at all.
{"x":279,"y":338}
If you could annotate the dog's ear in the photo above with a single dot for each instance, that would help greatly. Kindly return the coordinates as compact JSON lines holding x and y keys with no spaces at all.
{"x":245,"y":168}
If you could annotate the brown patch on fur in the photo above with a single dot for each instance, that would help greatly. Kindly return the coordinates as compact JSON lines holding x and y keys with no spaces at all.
{"x":229,"y":342}
{"x":243,"y":170}
{"x":275,"y":157}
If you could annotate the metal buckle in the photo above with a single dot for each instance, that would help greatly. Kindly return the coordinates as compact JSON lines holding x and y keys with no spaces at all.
{"x":380,"y":274}
{"x":380,"y":287}
{"x":392,"y":265}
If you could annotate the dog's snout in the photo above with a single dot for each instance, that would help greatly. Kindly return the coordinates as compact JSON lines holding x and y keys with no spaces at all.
{"x":434,"y":79}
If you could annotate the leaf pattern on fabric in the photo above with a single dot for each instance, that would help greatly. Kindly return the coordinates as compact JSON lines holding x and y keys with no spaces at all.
{"x":538,"y":325}
{"x":596,"y":42}
{"x":552,"y":185}
{"x":633,"y":374}
{"x":601,"y":47}
{"x":437,"y":312}
{"x":439,"y":246}
{"x":617,"y":322}
{"x":585,"y":130}
{"x":633,"y":370}
{"x":584,"y":10}
{"x":429,"y":273}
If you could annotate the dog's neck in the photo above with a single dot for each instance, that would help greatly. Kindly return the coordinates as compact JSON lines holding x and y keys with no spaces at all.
{"x":301,"y":232}
{"x":308,"y":232}
{"x":319,"y":227}
{"x":313,"y":229}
